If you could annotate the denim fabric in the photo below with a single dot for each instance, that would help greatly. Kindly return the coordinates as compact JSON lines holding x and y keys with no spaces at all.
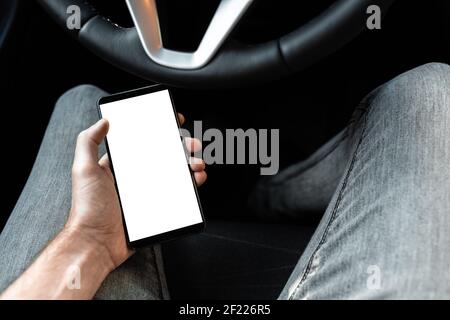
{"x":384,"y":184}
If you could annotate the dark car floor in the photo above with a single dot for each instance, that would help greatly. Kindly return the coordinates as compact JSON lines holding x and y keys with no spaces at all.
{"x":234,"y":260}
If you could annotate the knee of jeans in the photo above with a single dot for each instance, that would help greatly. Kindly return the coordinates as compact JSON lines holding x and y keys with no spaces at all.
{"x":418,"y":99}
{"x":79,"y":99}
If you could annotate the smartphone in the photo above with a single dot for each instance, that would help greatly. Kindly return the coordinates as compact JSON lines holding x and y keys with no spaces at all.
{"x":156,"y":188}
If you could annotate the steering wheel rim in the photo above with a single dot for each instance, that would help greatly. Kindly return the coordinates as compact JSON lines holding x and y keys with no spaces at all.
{"x":235,"y":64}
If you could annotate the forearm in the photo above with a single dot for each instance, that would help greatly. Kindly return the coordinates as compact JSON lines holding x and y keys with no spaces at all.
{"x":69,"y":268}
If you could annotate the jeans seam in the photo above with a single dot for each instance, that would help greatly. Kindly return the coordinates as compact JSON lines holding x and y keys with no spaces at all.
{"x":335,"y":208}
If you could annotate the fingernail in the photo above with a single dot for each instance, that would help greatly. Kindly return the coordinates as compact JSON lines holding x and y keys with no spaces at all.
{"x":196,"y":161}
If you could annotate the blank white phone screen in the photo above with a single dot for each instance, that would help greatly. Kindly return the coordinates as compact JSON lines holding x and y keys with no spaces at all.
{"x":150,"y":166}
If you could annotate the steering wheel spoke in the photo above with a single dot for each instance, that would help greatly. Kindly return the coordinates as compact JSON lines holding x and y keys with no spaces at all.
{"x":146,"y":20}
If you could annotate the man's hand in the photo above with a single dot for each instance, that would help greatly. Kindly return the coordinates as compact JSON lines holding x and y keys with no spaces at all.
{"x":95,"y":209}
{"x":92,"y":243}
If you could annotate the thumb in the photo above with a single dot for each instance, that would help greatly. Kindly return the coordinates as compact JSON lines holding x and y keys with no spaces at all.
{"x":88,"y":141}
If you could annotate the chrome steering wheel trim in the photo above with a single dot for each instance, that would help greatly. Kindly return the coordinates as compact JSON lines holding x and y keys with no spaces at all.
{"x":146,"y":20}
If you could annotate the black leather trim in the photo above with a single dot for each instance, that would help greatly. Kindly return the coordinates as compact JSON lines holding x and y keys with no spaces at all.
{"x":236,"y":65}
{"x":8,"y":13}
{"x":328,"y":32}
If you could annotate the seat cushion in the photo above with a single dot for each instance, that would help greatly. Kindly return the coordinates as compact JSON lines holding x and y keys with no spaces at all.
{"x":234,"y":260}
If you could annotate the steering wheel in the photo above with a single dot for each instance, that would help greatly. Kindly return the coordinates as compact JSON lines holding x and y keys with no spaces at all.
{"x":218,"y":62}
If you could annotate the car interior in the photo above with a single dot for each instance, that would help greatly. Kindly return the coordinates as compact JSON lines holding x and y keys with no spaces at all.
{"x":297,"y":66}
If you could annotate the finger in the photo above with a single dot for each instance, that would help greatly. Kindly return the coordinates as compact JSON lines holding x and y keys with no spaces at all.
{"x":86,"y":151}
{"x":193,"y":145}
{"x":200,"y":177}
{"x":181,"y":118}
{"x":197,"y":164}
{"x":104,"y":161}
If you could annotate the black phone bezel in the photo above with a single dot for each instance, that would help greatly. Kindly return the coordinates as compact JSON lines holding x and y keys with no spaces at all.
{"x":166,"y":236}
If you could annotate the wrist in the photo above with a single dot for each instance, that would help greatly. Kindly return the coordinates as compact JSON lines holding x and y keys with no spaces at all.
{"x":87,"y":247}
{"x":70,"y":267}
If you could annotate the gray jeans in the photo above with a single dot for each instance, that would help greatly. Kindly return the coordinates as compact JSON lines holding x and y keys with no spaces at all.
{"x":383,"y":183}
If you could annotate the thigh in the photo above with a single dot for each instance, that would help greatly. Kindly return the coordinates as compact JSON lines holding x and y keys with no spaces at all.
{"x":44,"y":204}
{"x":386,"y":231}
